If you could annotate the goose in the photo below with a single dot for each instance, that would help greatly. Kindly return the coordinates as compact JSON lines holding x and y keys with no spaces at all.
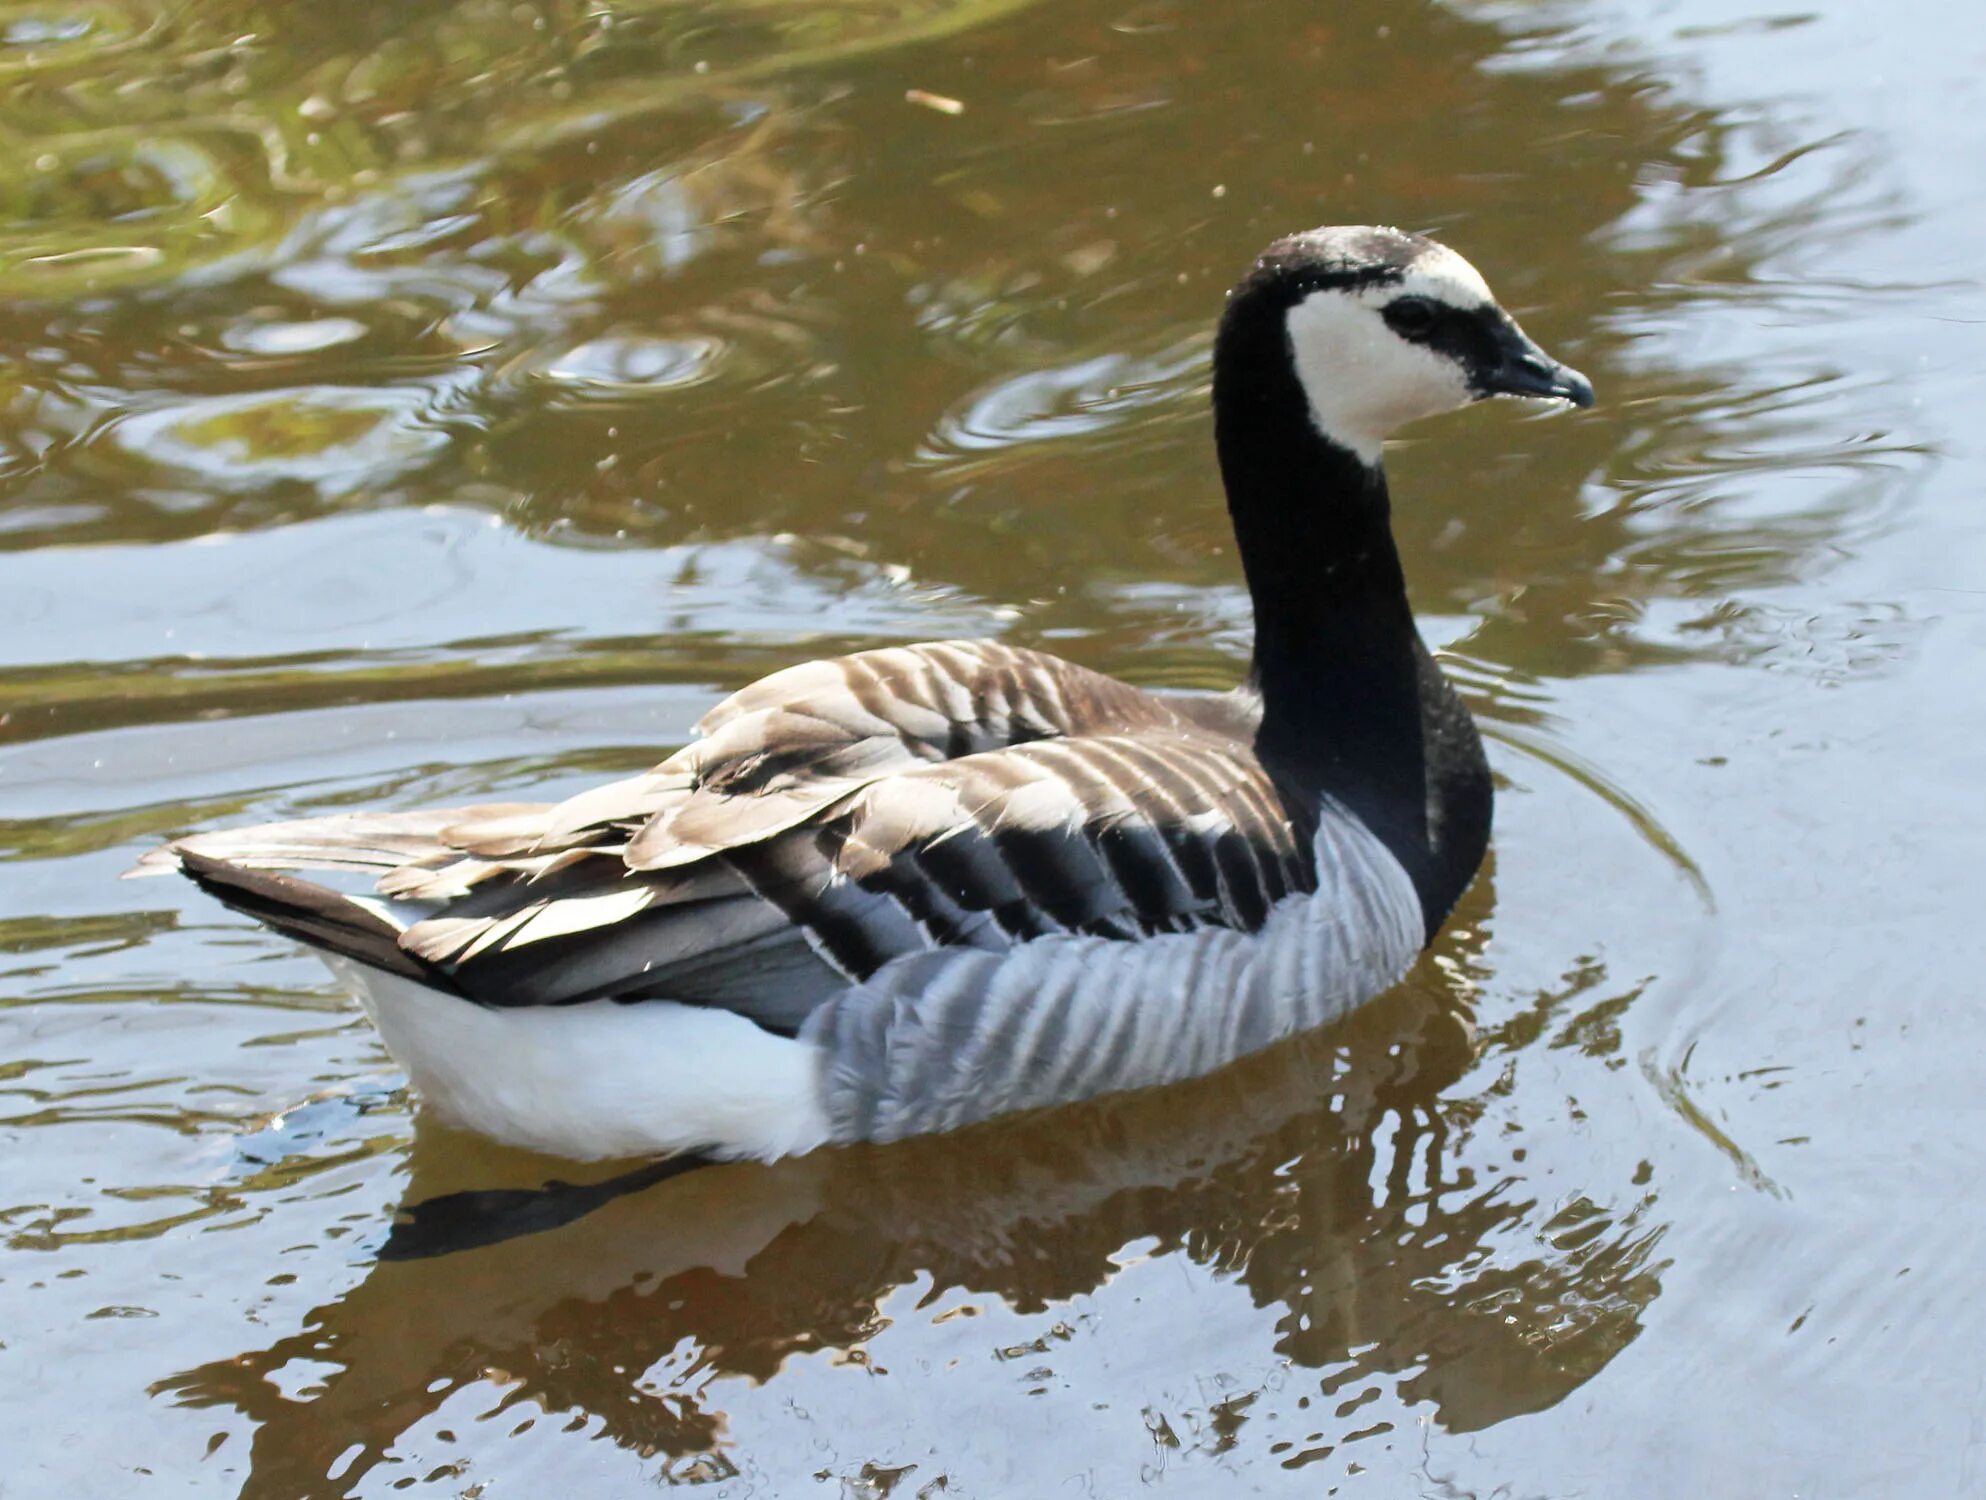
{"x":919,"y":886}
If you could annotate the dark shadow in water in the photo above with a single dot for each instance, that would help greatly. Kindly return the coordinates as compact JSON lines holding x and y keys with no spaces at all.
{"x":473,"y":1218}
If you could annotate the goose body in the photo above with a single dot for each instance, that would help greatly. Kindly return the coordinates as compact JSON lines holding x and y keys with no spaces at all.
{"x":915,"y":887}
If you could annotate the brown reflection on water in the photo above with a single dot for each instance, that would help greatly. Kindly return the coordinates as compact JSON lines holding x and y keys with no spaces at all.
{"x":672,"y":273}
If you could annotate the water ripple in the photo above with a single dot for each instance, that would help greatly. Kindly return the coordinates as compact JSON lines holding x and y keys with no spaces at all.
{"x":336,"y":440}
{"x":1088,"y":397}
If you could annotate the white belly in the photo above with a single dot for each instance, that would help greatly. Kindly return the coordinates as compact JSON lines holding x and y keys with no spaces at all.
{"x":598,"y":1079}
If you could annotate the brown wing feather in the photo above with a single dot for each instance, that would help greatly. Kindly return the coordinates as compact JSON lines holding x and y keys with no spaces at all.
{"x":347,"y":841}
{"x":782,"y":751}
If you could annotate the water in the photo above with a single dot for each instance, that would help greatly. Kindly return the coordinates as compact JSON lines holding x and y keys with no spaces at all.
{"x":425,"y":402}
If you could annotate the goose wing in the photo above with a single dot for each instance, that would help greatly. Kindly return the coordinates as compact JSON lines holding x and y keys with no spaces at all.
{"x":1116,"y":835}
{"x":763,"y":759}
{"x":830,"y":818}
{"x":774,"y":754}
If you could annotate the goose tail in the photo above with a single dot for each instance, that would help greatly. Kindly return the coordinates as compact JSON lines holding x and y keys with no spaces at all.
{"x":315,"y":915}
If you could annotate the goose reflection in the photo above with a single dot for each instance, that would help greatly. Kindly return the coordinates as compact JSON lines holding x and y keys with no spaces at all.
{"x":1324,"y":1176}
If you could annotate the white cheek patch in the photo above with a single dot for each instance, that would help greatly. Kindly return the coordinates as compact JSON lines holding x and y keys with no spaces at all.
{"x":1362,"y":379}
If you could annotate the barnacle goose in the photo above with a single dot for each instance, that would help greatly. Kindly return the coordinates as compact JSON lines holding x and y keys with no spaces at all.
{"x":919,"y":886}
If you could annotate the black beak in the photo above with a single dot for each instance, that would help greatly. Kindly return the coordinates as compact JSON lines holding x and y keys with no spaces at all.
{"x":1521,"y":368}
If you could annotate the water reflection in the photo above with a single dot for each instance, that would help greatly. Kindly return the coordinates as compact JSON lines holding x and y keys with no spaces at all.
{"x":330,"y":439}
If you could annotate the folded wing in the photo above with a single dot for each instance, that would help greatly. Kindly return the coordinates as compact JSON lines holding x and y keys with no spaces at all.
{"x":831,"y":818}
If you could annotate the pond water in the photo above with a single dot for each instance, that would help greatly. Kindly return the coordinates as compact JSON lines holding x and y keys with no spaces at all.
{"x":441,"y":400}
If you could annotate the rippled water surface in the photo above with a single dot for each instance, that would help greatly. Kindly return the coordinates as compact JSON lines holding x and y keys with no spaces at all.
{"x":408,"y":402}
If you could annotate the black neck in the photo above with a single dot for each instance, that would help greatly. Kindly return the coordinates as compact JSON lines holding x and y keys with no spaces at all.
{"x":1353,"y":707}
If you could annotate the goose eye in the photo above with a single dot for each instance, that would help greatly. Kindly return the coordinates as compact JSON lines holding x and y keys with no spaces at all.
{"x":1410,"y":317}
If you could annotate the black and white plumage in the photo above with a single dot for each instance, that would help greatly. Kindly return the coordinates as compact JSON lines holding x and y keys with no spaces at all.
{"x":919,"y":886}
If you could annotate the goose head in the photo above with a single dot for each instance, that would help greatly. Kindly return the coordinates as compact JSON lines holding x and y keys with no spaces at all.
{"x":1377,"y":328}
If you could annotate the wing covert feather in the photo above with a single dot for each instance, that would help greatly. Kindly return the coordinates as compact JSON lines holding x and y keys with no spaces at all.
{"x":777,"y":753}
